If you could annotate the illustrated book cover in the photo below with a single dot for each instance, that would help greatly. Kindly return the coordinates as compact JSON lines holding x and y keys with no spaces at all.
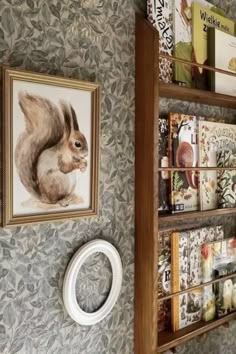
{"x":183,"y":148}
{"x":186,"y":270}
{"x":218,"y":258}
{"x":203,"y":18}
{"x":226,"y":180}
{"x":221,"y":51}
{"x":164,"y":178}
{"x":164,"y":279}
{"x":213,"y":137}
{"x":182,"y":28}
{"x":160,"y":14}
{"x":225,"y":293}
{"x":209,"y":303}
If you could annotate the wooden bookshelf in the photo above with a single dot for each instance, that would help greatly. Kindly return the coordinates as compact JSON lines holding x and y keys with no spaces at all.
{"x":148,"y":90}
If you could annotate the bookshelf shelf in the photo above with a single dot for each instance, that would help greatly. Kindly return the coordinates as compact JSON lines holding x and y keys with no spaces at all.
{"x":196,"y":95}
{"x":169,"y":340}
{"x":148,"y":90}
{"x":196,"y":214}
{"x":172,"y":295}
{"x":197,"y":169}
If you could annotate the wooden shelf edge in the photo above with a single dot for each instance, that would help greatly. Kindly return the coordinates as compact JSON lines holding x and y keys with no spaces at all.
{"x":170,"y":340}
{"x":195,"y":214}
{"x":198,"y":65}
{"x":182,"y":169}
{"x":196,"y":95}
{"x":200,"y":286}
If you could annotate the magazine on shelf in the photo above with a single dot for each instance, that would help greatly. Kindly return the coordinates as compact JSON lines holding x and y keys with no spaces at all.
{"x":160,"y":14}
{"x":221,"y":52}
{"x":182,"y":28}
{"x":183,"y":149}
{"x":164,"y":178}
{"x":164,"y":279}
{"x":213,"y":138}
{"x":186,"y":270}
{"x":225,"y":293}
{"x":226,"y":180}
{"x":218,"y":258}
{"x":202,"y":18}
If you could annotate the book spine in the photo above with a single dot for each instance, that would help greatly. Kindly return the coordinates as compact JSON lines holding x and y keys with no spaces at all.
{"x":211,"y":56}
{"x":175,"y":280}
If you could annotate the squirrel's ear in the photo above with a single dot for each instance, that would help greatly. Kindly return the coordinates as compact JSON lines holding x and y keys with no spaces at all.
{"x":67,"y":118}
{"x":74,"y":119}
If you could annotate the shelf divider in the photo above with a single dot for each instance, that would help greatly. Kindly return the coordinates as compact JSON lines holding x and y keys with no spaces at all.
{"x":169,"y":340}
{"x":195,"y":214}
{"x":195,"y":95}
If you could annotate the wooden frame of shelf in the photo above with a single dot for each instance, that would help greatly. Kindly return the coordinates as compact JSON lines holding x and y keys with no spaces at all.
{"x":148,"y":89}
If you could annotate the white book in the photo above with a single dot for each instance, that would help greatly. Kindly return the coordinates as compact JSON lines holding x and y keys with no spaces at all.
{"x":160,"y":14}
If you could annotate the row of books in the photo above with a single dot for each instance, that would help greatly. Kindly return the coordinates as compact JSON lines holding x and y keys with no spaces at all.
{"x":187,"y":141}
{"x":189,"y":258}
{"x":183,"y":27}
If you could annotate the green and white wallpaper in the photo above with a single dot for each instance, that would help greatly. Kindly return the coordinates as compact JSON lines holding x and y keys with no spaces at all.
{"x":91,"y":40}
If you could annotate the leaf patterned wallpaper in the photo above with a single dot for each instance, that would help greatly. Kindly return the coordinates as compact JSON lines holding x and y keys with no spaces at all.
{"x":91,"y":40}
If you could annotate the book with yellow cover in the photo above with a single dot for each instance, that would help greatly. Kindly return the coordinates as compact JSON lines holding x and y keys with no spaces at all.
{"x":182,"y":29}
{"x":202,"y":18}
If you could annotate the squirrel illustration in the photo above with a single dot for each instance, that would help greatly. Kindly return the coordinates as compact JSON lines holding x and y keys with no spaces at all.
{"x":50,"y":150}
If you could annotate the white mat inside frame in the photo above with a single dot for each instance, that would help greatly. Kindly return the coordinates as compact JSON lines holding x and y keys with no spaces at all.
{"x":69,"y":285}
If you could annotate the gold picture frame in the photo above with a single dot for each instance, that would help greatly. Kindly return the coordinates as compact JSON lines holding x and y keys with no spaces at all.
{"x":50,"y":146}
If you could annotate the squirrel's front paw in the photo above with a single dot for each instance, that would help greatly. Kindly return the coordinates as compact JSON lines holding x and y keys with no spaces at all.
{"x":81,"y":165}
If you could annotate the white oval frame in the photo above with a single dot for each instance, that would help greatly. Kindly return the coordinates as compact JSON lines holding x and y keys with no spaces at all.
{"x":69,"y":293}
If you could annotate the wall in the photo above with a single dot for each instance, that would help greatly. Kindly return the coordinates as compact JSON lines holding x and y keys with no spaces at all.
{"x":37,"y":35}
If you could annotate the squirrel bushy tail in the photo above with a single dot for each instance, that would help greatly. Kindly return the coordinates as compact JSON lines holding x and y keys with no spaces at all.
{"x":44,"y":128}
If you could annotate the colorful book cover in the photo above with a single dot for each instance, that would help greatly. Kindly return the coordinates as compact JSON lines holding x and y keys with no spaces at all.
{"x":197,"y":238}
{"x":160,"y":14}
{"x":164,"y":280}
{"x":218,"y":259}
{"x":213,"y":137}
{"x":209,"y":303}
{"x":221,"y":51}
{"x":225,"y":292}
{"x":187,"y":272}
{"x":203,"y":18}
{"x":182,"y":28}
{"x":226,"y":180}
{"x":183,"y":147}
{"x":163,"y":162}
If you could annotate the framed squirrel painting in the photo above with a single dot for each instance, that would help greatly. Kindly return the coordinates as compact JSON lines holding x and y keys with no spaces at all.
{"x":50,"y":147}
